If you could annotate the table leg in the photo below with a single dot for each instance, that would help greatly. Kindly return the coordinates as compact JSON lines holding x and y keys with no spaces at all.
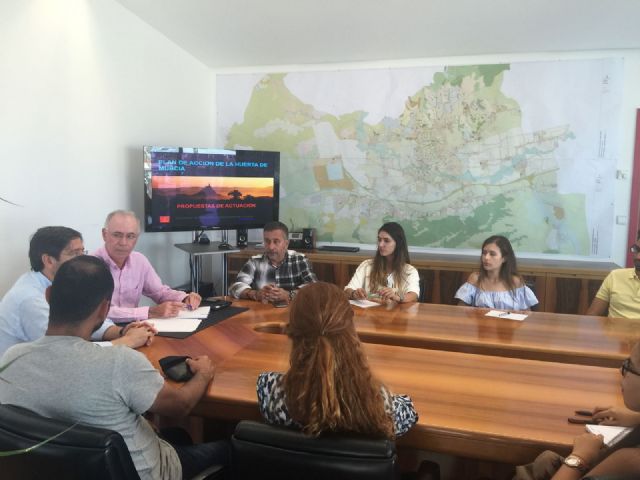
{"x":224,"y":274}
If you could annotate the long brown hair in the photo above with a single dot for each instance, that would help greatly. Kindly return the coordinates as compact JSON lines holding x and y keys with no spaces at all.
{"x":329,"y":386}
{"x":508,"y":269}
{"x":378,"y":277}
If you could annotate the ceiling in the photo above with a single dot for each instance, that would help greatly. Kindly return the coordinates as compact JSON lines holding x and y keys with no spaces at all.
{"x":238,"y":33}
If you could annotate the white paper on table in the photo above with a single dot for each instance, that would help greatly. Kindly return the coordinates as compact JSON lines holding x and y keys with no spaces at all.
{"x":200,"y":312}
{"x":611,"y":434}
{"x":175,"y":324}
{"x":507,"y":315}
{"x":364,"y":303}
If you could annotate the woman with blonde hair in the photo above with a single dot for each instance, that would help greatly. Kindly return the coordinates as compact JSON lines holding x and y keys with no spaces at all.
{"x":329,"y":386}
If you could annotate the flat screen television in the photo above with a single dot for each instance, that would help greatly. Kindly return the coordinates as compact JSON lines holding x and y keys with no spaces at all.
{"x":188,"y":188}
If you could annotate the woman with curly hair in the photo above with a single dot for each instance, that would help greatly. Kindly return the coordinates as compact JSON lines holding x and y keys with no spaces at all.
{"x":329,"y":386}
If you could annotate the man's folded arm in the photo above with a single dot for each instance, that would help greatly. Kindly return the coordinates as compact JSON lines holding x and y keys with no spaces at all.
{"x":244,"y":280}
{"x":102,"y":335}
{"x":307,"y":272}
{"x":128,"y":314}
{"x":34,"y":316}
{"x":598,"y":307}
{"x":179,"y":401}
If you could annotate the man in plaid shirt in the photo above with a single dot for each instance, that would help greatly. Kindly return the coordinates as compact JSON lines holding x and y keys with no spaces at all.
{"x":275,"y":275}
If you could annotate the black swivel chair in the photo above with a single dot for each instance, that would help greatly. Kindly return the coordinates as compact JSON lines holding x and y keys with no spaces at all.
{"x":422,"y":294}
{"x":267,"y":452}
{"x":531,"y":283}
{"x":80,"y":453}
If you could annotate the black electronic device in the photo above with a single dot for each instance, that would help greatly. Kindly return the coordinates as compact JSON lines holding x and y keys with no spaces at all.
{"x":218,"y":304}
{"x":203,"y":239}
{"x":175,"y":367}
{"x":309,"y":238}
{"x":338,"y":248}
{"x":295,"y":240}
{"x":187,"y":188}
{"x":242,"y":237}
{"x":304,"y":240}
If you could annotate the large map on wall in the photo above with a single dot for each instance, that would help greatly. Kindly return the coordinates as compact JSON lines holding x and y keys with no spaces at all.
{"x":454,"y":154}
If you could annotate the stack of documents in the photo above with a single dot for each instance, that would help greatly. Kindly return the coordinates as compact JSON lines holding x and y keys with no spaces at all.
{"x":364,"y":303}
{"x":611,"y":434}
{"x":507,"y":315}
{"x":202,"y":312}
{"x":186,"y":321}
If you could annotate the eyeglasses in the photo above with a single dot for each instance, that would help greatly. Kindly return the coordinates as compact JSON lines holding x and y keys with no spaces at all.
{"x":119,"y":236}
{"x":634,"y":248}
{"x":626,"y":367}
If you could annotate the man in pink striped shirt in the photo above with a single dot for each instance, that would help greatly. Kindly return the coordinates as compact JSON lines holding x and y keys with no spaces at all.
{"x":134,"y":276}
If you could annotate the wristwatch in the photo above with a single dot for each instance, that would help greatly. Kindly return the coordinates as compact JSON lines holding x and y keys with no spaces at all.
{"x":574,"y":461}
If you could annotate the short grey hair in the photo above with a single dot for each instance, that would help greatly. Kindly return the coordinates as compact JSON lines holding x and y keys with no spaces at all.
{"x":126,"y":213}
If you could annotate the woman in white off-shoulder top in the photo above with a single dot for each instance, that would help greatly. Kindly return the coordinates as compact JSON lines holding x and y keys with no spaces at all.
{"x":497,"y":284}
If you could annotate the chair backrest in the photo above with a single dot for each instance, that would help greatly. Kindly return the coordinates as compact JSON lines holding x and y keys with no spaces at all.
{"x":268,"y":452}
{"x":422,"y":293}
{"x":531,"y":283}
{"x":80,"y":453}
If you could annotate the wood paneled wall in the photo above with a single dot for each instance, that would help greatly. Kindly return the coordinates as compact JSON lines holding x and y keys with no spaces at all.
{"x":561,"y":286}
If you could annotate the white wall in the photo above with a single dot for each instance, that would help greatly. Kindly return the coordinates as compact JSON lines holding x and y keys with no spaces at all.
{"x":84,"y":84}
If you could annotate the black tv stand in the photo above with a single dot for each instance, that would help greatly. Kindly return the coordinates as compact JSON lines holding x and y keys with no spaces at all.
{"x":224,"y":243}
{"x":196,"y":252}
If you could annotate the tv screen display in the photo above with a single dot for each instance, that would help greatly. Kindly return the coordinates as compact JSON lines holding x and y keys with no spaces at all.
{"x":190,"y":188}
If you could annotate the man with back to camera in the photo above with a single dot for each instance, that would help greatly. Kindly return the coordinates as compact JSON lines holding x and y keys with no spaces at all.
{"x":104,"y":387}
{"x":274,"y":275}
{"x":24,"y":311}
{"x":619,"y":291}
{"x":134,"y":276}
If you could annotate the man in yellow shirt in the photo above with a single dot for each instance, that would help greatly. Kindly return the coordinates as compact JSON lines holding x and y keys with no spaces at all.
{"x":620,"y":291}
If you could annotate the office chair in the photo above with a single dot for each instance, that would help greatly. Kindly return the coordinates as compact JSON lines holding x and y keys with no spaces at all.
{"x":269,"y":452}
{"x":421,"y":295}
{"x":81,"y":452}
{"x":531,"y":283}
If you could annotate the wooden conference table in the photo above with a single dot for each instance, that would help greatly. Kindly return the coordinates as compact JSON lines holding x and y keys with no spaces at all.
{"x":477,"y":382}
{"x":581,"y":339}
